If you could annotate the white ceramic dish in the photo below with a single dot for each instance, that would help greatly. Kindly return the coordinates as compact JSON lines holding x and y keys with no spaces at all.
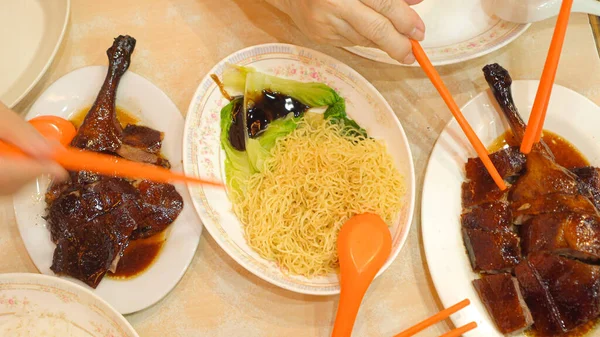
{"x":70,"y":94}
{"x":203,"y":155}
{"x":31,"y":32}
{"x":456,"y":31}
{"x":570,"y":115}
{"x":74,"y":304}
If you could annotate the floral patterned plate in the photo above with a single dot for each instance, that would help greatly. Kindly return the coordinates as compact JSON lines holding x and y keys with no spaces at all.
{"x":456,"y":31}
{"x":203,"y":156}
{"x":85,"y":312}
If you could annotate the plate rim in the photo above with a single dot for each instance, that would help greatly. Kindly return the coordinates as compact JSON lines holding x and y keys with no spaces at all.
{"x":188,"y":261}
{"x":213,"y":231}
{"x":379,"y":56}
{"x":428,"y":247}
{"x":50,"y":281}
{"x":50,"y":60}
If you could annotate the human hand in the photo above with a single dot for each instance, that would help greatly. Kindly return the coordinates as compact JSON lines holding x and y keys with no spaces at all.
{"x":16,"y":172}
{"x":385,"y":24}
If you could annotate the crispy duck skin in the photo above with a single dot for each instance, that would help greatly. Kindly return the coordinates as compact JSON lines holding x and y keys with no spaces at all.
{"x":502,"y":298}
{"x":589,"y":182}
{"x":561,"y":293}
{"x":480,"y":187}
{"x":100,"y":130}
{"x":553,"y":203}
{"x":492,"y":216}
{"x":91,"y":217}
{"x":571,"y":234}
{"x":492,"y":252}
{"x":500,"y":83}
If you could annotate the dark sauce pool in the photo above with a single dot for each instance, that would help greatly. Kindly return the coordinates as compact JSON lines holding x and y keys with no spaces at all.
{"x":139,"y":254}
{"x":264,"y":107}
{"x":569,"y":157}
{"x":566,"y":154}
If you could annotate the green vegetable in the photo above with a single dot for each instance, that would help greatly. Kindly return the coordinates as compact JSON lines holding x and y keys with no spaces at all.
{"x":239,"y":165}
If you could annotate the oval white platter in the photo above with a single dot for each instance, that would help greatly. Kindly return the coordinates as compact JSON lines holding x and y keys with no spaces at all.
{"x":456,"y":31}
{"x":570,"y":115}
{"x":87,"y":312}
{"x":203,"y":155}
{"x":69,"y":95}
{"x":31,"y":33}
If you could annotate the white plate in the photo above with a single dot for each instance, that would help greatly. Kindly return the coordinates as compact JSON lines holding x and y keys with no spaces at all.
{"x":203,"y":155}
{"x":53,"y":296}
{"x":70,"y":94}
{"x":570,"y":115}
{"x":31,"y":32}
{"x":456,"y":31}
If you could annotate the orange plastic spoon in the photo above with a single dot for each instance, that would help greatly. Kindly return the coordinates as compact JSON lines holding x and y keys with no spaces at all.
{"x":364,"y":244}
{"x":57,"y":128}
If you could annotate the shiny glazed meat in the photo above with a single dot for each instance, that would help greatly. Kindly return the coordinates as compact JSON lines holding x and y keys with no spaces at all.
{"x":544,"y":230}
{"x":91,"y":217}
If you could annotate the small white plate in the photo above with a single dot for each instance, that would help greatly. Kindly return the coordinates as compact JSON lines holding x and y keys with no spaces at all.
{"x":203,"y":155}
{"x":70,"y":94}
{"x":31,"y":32}
{"x":456,"y":31}
{"x":570,"y":115}
{"x":52,"y":296}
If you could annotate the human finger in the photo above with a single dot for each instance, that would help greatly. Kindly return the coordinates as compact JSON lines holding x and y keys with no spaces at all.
{"x":413,"y":2}
{"x":402,"y":16}
{"x":380,"y":31}
{"x":18,"y":132}
{"x":349,"y":34}
{"x":16,"y":172}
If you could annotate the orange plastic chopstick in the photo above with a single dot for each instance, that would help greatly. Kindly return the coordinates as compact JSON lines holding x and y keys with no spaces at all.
{"x":447,"y":97}
{"x":440,"y":316}
{"x":79,"y":160}
{"x":533,"y":132}
{"x":459,"y":331}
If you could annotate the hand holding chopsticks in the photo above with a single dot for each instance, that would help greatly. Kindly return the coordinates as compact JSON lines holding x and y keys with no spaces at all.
{"x":533,"y":133}
{"x":447,"y":97}
{"x":440,"y":316}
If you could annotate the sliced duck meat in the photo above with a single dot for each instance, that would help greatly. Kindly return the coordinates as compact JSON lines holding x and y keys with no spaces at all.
{"x":553,"y":203}
{"x":160,"y":204}
{"x":571,"y":234}
{"x":561,"y":293}
{"x":509,"y":162}
{"x":143,"y":137}
{"x":502,"y":298}
{"x":490,"y":216}
{"x":589,"y":182}
{"x":492,"y":252}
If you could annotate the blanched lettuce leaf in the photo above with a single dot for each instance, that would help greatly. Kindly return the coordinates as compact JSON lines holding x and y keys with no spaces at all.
{"x":240,"y":165}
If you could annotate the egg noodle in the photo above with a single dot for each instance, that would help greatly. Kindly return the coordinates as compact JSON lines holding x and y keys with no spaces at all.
{"x":316,"y":178}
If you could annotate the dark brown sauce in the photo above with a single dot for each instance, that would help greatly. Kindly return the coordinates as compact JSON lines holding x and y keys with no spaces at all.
{"x":123,"y":116}
{"x":138,"y":256}
{"x":566,"y":154}
{"x":269,"y":106}
{"x":569,"y":157}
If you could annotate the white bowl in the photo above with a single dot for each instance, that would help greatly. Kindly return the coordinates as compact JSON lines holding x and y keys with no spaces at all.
{"x":204,"y":157}
{"x":72,"y":303}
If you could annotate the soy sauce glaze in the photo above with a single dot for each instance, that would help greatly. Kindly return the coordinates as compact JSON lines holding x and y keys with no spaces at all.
{"x":568,"y":156}
{"x":269,"y":106}
{"x":139,"y":254}
{"x":565,"y":153}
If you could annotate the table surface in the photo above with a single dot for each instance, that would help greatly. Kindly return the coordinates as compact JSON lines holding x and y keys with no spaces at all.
{"x":178,"y":42}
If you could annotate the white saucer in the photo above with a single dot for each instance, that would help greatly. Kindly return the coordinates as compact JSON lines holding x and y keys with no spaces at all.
{"x":456,"y":31}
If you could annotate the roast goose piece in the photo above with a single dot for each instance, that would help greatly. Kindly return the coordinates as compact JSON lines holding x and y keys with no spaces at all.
{"x":561,"y":293}
{"x":557,"y":239}
{"x":91,"y":217}
{"x":501,"y":296}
